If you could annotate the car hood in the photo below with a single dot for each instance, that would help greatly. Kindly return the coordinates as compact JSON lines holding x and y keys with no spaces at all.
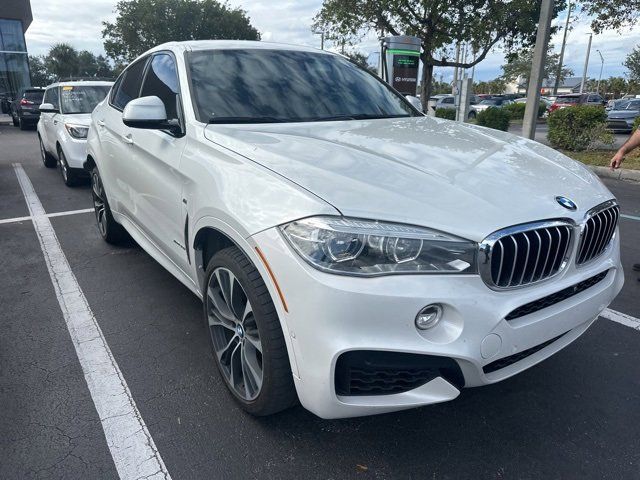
{"x":465,"y":180}
{"x":623,"y":114}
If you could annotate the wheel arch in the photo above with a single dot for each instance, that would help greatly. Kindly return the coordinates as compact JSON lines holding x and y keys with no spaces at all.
{"x":206,"y":243}
{"x":89,"y":163}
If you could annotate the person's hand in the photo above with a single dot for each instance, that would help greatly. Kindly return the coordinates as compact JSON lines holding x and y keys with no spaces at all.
{"x":616,"y":161}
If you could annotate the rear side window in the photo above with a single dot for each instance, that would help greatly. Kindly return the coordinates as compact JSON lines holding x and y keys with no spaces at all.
{"x":162,"y":81}
{"x":129,"y":87}
{"x":447,"y":100}
{"x":34,"y":96}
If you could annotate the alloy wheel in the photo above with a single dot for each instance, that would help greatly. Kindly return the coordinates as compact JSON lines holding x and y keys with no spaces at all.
{"x":234,"y":334}
{"x":64,"y":169}
{"x":99,"y":202}
{"x":42,"y":152}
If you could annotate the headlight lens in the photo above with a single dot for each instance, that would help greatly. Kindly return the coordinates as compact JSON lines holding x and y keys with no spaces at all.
{"x":77,"y":131}
{"x":366,"y":247}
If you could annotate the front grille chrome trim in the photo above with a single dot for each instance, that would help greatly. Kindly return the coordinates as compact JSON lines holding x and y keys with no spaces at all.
{"x":547,"y":264}
{"x":597,"y":232}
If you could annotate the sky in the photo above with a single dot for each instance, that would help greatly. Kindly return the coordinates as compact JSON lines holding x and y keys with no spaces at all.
{"x":79,"y":22}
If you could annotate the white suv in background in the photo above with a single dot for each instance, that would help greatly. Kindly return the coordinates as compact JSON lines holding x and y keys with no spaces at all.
{"x":65,"y":114}
{"x":350,"y":252}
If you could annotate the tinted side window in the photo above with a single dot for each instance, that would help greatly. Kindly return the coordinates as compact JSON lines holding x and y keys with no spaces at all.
{"x":162,"y":81}
{"x":130,"y":85}
{"x":114,"y":89}
{"x":447,"y":100}
{"x":53,"y":97}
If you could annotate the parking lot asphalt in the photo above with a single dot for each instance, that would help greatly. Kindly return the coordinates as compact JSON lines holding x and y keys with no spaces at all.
{"x":573,"y":416}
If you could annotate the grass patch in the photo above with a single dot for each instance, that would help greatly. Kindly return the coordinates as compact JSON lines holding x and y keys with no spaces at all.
{"x":602,"y":158}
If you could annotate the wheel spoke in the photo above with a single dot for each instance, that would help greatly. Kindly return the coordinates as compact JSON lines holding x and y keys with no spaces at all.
{"x":226,"y":349}
{"x":248,"y":310}
{"x":253,"y":339}
{"x":219,"y":304}
{"x":215,"y":319}
{"x":252,"y":374}
{"x":235,"y":367}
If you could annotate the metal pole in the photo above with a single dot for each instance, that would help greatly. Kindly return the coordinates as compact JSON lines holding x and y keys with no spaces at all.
{"x":455,"y":70}
{"x":564,"y":44}
{"x":586,"y":64}
{"x":537,"y":70}
{"x":601,"y":68}
{"x":322,"y":40}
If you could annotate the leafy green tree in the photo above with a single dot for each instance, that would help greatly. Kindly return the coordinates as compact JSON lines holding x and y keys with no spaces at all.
{"x":143,"y":24}
{"x":359,"y":59}
{"x":440,"y":24}
{"x":632,"y":62}
{"x":519,"y":66}
{"x":62,"y":60}
{"x":495,"y":86}
{"x":611,"y":14}
{"x":615,"y":86}
{"x":40,"y":76}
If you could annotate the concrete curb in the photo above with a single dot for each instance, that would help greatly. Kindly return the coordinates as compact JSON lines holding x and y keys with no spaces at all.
{"x":620,"y":174}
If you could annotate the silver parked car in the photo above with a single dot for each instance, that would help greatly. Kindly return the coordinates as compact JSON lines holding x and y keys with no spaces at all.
{"x":623,"y":117}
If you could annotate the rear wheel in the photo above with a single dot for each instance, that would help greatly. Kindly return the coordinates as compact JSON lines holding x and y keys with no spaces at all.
{"x":246,"y":337}
{"x":47,"y":159}
{"x":22,"y":124}
{"x":14,"y":120}
{"x":110,"y":230}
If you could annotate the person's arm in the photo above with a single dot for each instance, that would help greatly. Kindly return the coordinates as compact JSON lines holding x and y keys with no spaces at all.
{"x":631,"y":144}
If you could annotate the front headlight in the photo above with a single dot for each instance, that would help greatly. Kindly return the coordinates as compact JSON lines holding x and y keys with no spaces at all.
{"x":365,"y":247}
{"x":77,"y":131}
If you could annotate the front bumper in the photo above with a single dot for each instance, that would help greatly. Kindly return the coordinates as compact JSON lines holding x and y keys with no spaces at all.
{"x":332,"y":314}
{"x":75,"y":151}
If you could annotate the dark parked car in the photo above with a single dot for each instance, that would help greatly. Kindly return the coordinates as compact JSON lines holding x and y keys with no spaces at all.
{"x":622,"y":118}
{"x":571,"y":100}
{"x":25,"y":108}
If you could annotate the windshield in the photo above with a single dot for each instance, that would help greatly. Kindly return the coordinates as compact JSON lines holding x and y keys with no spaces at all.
{"x":258,"y":86}
{"x":34,"y":96}
{"x":635,"y":105}
{"x":81,"y":98}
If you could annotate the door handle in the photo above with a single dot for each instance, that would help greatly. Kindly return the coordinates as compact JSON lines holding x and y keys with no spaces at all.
{"x":55,"y":122}
{"x":100,"y":123}
{"x":127,"y":139}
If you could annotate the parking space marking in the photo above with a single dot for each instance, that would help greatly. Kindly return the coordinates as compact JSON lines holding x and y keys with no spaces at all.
{"x":630,"y":217}
{"x":622,"y":318}
{"x":133,"y":450}
{"x":49,"y":215}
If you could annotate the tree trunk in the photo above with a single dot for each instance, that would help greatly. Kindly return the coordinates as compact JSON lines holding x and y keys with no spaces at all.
{"x":425,"y":83}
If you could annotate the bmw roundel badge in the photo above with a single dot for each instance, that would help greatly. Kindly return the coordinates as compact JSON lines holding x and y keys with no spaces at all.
{"x":566,"y":203}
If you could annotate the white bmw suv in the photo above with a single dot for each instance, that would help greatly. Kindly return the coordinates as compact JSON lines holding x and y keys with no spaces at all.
{"x":350,"y":252}
{"x":65,"y":114}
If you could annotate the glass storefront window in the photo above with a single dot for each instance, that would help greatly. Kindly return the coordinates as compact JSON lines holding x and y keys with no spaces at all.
{"x":14,"y":67}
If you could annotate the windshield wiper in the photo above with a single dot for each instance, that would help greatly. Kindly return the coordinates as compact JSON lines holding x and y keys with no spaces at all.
{"x":356,"y":116}
{"x":246,"y":120}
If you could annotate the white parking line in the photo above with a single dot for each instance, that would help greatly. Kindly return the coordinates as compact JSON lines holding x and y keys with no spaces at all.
{"x":49,"y":215}
{"x":133,"y":450}
{"x":622,"y":318}
{"x":630,"y":217}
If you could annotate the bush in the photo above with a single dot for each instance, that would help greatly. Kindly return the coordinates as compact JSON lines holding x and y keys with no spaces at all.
{"x":578,"y":128}
{"x":516,"y":110}
{"x":448,"y":113}
{"x":636,"y":124}
{"x":492,"y":117}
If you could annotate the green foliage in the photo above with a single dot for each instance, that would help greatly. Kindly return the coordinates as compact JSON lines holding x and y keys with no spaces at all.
{"x":40,"y":76}
{"x":359,"y":59}
{"x":63,"y":60}
{"x":632,"y":62}
{"x":578,"y":128}
{"x":611,"y":14}
{"x":495,"y":86}
{"x":516,"y":110}
{"x":143,"y":24}
{"x":440,"y":24}
{"x":496,"y":118}
{"x":519,"y":66}
{"x":448,"y":113}
{"x":636,"y":124}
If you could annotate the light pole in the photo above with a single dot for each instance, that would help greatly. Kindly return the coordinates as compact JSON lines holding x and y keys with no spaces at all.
{"x":564,"y":44}
{"x":601,"y":68}
{"x":586,"y":64}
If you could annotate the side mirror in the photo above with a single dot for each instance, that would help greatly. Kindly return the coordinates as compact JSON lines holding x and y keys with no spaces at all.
{"x":48,"y":108}
{"x":148,"y":113}
{"x":415,"y":101}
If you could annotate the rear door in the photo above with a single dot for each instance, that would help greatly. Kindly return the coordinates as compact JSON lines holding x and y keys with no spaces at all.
{"x":115,"y":140}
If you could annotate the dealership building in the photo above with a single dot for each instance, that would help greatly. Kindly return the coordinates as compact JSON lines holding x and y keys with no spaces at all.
{"x":15,"y":18}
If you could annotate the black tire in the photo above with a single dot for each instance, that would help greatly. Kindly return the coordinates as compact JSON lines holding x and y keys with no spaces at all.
{"x":47,"y":158}
{"x":14,"y":120}
{"x":22,"y":124}
{"x":277,"y":391}
{"x":69,"y":175}
{"x":110,"y":230}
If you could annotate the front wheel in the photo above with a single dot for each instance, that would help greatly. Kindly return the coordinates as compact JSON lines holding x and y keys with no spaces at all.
{"x":246,"y":337}
{"x":47,"y":159}
{"x":110,"y":230}
{"x":69,"y":176}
